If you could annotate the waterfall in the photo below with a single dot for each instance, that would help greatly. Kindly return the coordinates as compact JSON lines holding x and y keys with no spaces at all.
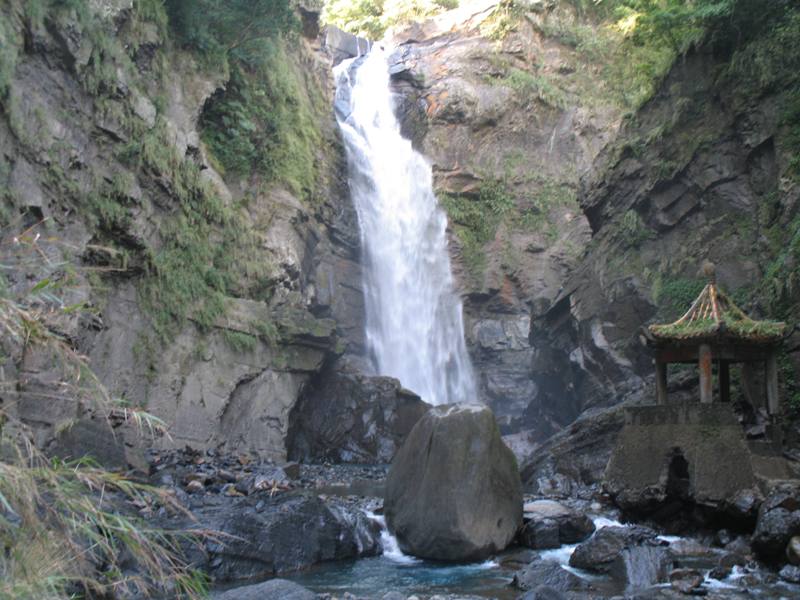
{"x":414,"y":328}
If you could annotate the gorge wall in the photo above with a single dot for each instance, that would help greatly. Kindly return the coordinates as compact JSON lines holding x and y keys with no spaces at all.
{"x":225,"y":296}
{"x":212,"y":297}
{"x":583,"y":197}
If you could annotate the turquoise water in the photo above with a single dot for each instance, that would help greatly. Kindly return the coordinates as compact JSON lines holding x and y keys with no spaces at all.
{"x":373,"y":577}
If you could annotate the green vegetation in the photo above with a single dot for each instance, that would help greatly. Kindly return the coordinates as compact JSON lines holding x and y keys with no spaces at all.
{"x":371,"y":18}
{"x":9,"y":48}
{"x":264,"y":124}
{"x":632,"y":230}
{"x":745,"y":328}
{"x":230,"y":30}
{"x":674,"y":296}
{"x":527,"y":84}
{"x":503,"y":20}
{"x":476,"y":218}
{"x":240,"y":342}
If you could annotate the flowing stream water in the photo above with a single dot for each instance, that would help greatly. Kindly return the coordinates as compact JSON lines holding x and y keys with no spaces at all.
{"x":414,"y":328}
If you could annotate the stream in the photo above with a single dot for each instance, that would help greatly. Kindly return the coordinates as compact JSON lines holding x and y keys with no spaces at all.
{"x":394,"y":571}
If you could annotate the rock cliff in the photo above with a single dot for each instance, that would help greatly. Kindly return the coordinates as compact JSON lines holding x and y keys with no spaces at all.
{"x":224,"y":293}
{"x":583,"y":197}
{"x":214,"y":296}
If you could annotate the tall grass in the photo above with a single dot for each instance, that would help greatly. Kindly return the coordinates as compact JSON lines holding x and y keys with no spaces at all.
{"x":69,"y":529}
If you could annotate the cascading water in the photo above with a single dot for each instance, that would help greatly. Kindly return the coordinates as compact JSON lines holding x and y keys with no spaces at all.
{"x":415,"y":330}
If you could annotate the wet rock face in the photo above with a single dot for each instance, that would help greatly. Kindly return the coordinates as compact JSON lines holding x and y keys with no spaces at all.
{"x":263,"y":536}
{"x":349,"y":417}
{"x":778,"y":524}
{"x":631,"y":555}
{"x":546,"y":573}
{"x":573,"y":461}
{"x":680,"y":181}
{"x":548,"y":524}
{"x":453,"y":490}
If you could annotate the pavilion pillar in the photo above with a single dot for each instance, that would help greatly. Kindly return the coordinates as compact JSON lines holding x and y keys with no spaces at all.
{"x":724,"y":381}
{"x":661,"y":382}
{"x":773,"y":403}
{"x":704,"y":364}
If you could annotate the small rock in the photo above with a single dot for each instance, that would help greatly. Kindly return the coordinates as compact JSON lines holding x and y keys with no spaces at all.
{"x":599,"y":552}
{"x":773,"y":531}
{"x":793,"y":550}
{"x":686,"y":581}
{"x":549,"y":524}
{"x":720,"y":573}
{"x":292,"y":470}
{"x":201,"y":477}
{"x":722,"y":538}
{"x":226,"y":476}
{"x":194,"y":486}
{"x":790,"y":573}
{"x":731,"y":559}
{"x":393,"y":596}
{"x":539,"y":535}
{"x":230,"y":490}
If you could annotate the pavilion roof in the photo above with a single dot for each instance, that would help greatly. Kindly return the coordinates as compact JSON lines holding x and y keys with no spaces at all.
{"x":714,"y":316}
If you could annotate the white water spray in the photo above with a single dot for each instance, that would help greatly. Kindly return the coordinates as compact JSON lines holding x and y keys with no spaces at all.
{"x":415,"y":330}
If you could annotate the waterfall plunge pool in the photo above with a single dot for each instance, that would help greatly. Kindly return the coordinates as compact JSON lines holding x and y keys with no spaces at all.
{"x":373,"y":577}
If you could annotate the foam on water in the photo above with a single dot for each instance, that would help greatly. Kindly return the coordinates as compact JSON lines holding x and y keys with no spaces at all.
{"x":391,"y":549}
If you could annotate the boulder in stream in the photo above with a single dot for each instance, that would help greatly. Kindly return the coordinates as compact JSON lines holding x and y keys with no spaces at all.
{"x":453,"y":490}
{"x":547,"y":573}
{"x":631,"y":555}
{"x":274,"y":589}
{"x":774,"y":530}
{"x":549,"y":524}
{"x":260,"y":536}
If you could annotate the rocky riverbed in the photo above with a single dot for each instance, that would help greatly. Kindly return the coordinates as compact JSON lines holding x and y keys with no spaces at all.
{"x":316,"y":531}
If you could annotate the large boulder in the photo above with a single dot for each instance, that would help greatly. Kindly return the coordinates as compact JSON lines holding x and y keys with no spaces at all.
{"x":632,"y":555}
{"x":274,"y":589}
{"x":778,"y":522}
{"x":547,"y":573}
{"x":348,"y":417}
{"x":549,"y":524}
{"x":261,"y":536}
{"x":453,"y":491}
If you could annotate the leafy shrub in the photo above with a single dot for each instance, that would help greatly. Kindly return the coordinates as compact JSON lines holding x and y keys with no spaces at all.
{"x":263,"y":124}
{"x":675,"y":296}
{"x":538,"y":86}
{"x":8,"y":54}
{"x":632,"y":229}
{"x":237,"y":29}
{"x":371,"y":18}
